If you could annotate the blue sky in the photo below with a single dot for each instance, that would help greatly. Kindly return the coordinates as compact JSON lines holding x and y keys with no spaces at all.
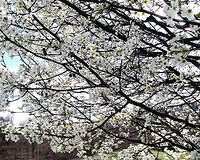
{"x":12,"y":63}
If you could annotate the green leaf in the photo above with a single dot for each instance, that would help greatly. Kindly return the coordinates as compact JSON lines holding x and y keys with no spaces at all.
{"x":198,"y":15}
{"x":179,"y":3}
{"x":133,"y":118}
{"x":151,"y":73}
{"x":119,"y":52}
{"x":21,"y":128}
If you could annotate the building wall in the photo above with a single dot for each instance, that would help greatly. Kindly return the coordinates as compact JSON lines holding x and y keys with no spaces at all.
{"x":22,"y":150}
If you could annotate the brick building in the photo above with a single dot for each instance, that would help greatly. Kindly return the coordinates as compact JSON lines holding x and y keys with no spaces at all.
{"x":23,"y":150}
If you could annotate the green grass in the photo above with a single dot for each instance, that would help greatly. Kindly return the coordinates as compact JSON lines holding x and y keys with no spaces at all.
{"x":162,"y":155}
{"x":159,"y":155}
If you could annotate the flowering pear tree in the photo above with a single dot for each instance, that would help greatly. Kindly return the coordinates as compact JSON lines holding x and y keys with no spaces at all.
{"x":99,"y":76}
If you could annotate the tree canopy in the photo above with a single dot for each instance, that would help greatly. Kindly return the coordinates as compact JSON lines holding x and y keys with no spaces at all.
{"x":96,"y":74}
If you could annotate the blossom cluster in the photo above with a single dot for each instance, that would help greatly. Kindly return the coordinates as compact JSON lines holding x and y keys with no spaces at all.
{"x":102,"y":76}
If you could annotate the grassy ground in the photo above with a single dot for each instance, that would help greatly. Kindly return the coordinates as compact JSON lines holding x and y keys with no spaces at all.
{"x":162,"y":155}
{"x":159,"y":155}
